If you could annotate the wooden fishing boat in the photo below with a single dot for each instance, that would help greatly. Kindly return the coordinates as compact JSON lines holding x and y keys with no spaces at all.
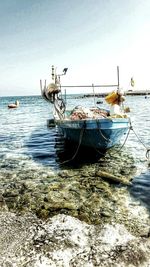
{"x":87,"y":127}
{"x":95,"y":133}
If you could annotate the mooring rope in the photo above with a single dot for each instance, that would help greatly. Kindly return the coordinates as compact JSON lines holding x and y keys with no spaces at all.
{"x":127,"y":135}
{"x":105,"y":138}
{"x":130,"y":128}
{"x":147,"y":148}
{"x":108,"y":140}
{"x":118,"y":150}
{"x":80,"y":140}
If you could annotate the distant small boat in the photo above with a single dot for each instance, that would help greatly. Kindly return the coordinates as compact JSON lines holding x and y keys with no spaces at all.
{"x":99,"y":102}
{"x":14,"y":105}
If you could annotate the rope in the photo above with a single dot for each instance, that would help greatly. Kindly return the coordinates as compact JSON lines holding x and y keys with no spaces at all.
{"x":118,"y":150}
{"x":105,"y":138}
{"x":130,"y":128}
{"x":125,"y":138}
{"x":80,"y":140}
{"x":147,"y":149}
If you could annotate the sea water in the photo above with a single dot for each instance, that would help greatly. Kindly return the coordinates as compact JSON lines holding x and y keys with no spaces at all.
{"x":27,"y":143}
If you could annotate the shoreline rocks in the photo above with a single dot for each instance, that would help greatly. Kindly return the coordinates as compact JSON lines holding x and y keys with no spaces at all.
{"x":64,"y":241}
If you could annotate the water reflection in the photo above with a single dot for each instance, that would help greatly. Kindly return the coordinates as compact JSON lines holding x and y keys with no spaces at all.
{"x":41,"y":146}
{"x":48,"y":147}
{"x":73,"y":156}
{"x":28,"y":145}
{"x":140,"y":188}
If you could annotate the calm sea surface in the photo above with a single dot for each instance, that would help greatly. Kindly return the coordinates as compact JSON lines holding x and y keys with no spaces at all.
{"x":26,"y":142}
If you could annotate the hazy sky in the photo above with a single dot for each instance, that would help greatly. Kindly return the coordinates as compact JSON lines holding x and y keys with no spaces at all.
{"x":90,"y":37}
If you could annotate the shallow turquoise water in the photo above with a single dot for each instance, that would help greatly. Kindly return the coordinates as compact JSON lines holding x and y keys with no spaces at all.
{"x":26,"y":142}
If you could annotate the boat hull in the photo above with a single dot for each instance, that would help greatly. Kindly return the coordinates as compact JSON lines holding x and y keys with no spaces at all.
{"x":97,"y":133}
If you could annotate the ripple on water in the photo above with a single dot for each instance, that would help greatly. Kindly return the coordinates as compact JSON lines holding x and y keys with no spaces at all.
{"x":26,"y":143}
{"x":141,"y":188}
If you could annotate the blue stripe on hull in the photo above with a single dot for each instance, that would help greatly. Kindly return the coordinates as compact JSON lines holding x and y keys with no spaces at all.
{"x":101,"y":134}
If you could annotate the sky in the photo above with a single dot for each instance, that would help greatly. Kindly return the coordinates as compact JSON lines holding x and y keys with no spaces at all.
{"x":89,"y":37}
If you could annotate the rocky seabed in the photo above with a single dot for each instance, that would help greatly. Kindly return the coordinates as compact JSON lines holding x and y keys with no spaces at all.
{"x":74,"y":217}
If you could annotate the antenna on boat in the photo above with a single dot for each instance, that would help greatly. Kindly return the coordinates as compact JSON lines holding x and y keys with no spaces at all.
{"x":64,"y":73}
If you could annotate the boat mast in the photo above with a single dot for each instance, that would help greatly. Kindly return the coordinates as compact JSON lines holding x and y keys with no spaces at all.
{"x":94,"y":94}
{"x":118,"y":78}
{"x":53,"y":73}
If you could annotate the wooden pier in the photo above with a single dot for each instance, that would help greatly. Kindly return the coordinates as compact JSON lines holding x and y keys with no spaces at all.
{"x":129,"y":92}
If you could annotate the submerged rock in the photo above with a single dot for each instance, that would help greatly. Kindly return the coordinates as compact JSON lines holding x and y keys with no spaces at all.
{"x":91,"y":192}
{"x":112,"y":177}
